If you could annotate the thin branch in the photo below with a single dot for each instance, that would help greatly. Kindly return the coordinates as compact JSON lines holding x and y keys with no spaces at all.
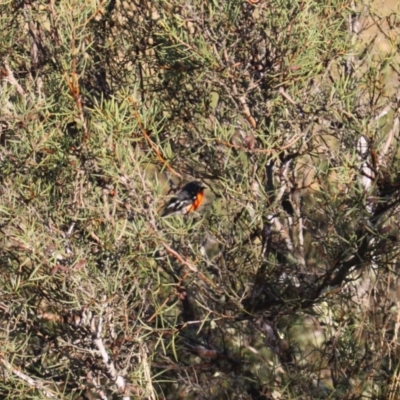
{"x":30,"y":381}
{"x":187,"y":264}
{"x":111,"y":370}
{"x":389,"y":140}
{"x":151,"y":143}
{"x":9,"y":77}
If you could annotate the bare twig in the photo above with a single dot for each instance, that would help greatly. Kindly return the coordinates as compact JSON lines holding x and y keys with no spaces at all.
{"x":242,"y":100}
{"x":111,"y":370}
{"x":30,"y":381}
{"x":389,"y":140}
{"x":187,"y":264}
{"x":9,"y":77}
{"x":286,"y":96}
{"x":246,"y":112}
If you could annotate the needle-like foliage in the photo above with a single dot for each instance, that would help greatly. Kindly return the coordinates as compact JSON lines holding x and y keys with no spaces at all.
{"x":283,"y":285}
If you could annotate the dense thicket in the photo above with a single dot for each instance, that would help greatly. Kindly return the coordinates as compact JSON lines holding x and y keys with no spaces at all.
{"x":283,"y":285}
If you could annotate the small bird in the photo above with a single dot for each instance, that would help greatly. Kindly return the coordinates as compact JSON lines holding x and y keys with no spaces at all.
{"x":187,"y":200}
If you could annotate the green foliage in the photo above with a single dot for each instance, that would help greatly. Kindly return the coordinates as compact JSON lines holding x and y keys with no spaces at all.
{"x":283,"y":285}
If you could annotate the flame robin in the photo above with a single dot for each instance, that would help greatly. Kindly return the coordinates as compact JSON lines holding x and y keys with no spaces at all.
{"x":187,"y":200}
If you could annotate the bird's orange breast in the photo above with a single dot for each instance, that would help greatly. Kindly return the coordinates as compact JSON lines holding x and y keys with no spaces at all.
{"x":197,"y":201}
